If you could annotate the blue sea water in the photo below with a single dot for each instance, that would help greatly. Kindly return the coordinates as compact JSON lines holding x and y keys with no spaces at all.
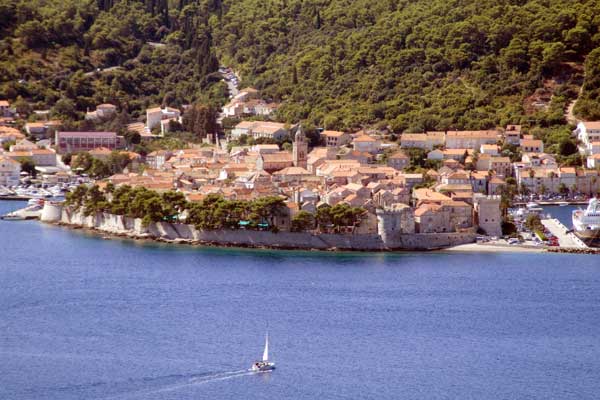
{"x":86,"y":318}
{"x":563,"y":214}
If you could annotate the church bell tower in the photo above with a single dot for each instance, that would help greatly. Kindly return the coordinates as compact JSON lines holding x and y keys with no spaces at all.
{"x":300,"y":148}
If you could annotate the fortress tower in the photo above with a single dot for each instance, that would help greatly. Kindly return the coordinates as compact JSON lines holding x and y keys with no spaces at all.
{"x":487,"y":214}
{"x":395,"y":220}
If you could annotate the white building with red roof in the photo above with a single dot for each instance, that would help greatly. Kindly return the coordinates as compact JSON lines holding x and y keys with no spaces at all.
{"x":588,"y":133}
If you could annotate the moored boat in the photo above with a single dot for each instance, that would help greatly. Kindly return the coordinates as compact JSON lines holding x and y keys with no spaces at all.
{"x":586,"y":223}
{"x":12,"y":217}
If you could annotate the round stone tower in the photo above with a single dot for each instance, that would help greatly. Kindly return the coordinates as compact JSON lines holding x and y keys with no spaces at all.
{"x":52,"y":211}
{"x":393,"y":221}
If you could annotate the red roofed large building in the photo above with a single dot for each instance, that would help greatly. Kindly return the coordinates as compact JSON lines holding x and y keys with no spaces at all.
{"x":470,"y":139}
{"x":258,"y":129}
{"x":72,"y":142}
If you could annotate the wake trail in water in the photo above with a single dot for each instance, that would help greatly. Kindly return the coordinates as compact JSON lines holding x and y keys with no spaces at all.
{"x":189,"y":381}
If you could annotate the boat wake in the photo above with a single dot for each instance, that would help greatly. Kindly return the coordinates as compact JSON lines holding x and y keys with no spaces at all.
{"x":220,"y":376}
{"x":185,"y":382}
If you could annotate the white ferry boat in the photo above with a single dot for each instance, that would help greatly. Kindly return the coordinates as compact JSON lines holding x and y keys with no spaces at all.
{"x":586,"y":223}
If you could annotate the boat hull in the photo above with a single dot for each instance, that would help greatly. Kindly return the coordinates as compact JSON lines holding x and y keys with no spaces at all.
{"x":12,"y":218}
{"x":262,"y":367}
{"x":590,"y":237}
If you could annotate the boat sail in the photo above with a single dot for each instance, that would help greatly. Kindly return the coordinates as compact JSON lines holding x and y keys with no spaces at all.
{"x":266,"y":352}
{"x":265,"y":364}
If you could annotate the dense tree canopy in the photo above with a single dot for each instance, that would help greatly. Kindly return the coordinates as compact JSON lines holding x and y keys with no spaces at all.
{"x":70,"y":55}
{"x":410,"y":65}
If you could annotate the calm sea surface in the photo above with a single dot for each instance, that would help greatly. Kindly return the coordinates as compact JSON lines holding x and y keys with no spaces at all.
{"x":86,"y":318}
{"x":563,"y":214}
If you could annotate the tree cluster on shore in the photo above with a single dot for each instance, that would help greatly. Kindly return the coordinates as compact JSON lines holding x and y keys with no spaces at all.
{"x":138,"y":202}
{"x":212,"y":213}
{"x":96,"y":167}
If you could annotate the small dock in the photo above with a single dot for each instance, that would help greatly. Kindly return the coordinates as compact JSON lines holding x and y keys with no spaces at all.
{"x":565,"y":237}
{"x":553,"y":203}
{"x":15,"y":197}
{"x":29,"y":212}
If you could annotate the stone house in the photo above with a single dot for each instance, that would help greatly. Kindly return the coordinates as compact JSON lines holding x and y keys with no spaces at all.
{"x":335,"y":138}
{"x":491,"y":149}
{"x":272,"y":162}
{"x":436,"y":138}
{"x":470,"y":139}
{"x":512,"y":134}
{"x":431,"y":218}
{"x":359,"y":190}
{"x":158,"y":158}
{"x":398,"y":160}
{"x":366,"y":143}
{"x":415,"y":140}
{"x":10,"y":171}
{"x":532,"y":146}
{"x":155,"y":115}
{"x":291,"y":174}
{"x":436,"y":154}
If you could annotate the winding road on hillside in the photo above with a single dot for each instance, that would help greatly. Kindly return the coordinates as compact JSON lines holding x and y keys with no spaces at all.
{"x":569,"y":116}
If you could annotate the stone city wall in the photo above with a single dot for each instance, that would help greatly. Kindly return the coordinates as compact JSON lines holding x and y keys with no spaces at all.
{"x":116,"y":224}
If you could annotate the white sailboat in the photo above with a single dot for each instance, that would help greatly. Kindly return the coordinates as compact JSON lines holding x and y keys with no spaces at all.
{"x":264,"y":364}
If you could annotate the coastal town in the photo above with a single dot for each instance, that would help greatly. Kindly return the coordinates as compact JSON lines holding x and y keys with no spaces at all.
{"x":299,"y":199}
{"x":434,"y":183}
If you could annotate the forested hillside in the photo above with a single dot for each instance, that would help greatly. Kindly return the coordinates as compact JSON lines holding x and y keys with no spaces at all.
{"x":410,"y":65}
{"x":413,"y":64}
{"x":53,"y":54}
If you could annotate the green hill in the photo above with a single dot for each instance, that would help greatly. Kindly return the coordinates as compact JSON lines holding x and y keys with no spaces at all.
{"x":410,"y":65}
{"x":72,"y":55}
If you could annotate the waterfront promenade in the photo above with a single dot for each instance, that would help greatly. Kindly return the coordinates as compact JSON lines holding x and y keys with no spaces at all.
{"x":565,"y":237}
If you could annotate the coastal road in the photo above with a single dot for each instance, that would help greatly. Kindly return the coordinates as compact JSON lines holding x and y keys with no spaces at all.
{"x":232,"y":88}
{"x":560,"y":231}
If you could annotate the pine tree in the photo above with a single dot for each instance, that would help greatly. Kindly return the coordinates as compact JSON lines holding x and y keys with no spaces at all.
{"x":318,"y":20}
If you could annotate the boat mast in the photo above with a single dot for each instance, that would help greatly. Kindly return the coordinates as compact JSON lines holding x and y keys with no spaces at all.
{"x":266,"y":352}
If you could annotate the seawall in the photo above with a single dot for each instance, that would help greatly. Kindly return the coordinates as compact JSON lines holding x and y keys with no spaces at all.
{"x":175,"y":232}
